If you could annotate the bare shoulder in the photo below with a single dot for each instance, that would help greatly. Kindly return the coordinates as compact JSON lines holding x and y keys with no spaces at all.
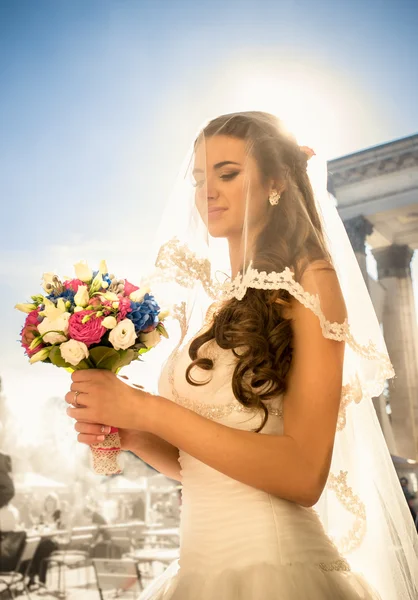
{"x":320,"y":279}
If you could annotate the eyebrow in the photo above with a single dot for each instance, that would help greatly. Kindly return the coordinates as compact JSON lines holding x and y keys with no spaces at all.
{"x":218,"y":165}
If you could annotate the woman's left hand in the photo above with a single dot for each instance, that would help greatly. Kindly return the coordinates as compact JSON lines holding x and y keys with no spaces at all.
{"x":104,"y":398}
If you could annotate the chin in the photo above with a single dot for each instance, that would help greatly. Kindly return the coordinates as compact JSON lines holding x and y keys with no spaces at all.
{"x":216,"y":230}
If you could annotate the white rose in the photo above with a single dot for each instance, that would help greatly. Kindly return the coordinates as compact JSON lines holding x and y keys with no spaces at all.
{"x":109,"y":322}
{"x":138,"y":295}
{"x":58,"y":324}
{"x":47,"y":280}
{"x":74,"y":352}
{"x":150,"y":339}
{"x":123,"y":335}
{"x":82,"y":296}
{"x":83,"y":271}
{"x":78,"y":308}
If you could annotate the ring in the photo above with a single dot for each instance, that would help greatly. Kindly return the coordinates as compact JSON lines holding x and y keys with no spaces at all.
{"x":75,"y":403}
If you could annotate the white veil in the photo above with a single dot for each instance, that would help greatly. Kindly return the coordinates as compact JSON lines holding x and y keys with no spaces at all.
{"x":362,"y":507}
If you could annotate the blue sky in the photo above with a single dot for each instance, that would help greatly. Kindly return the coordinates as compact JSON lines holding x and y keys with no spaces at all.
{"x":100,"y":100}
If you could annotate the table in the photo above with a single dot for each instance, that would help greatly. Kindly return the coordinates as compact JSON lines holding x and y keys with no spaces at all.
{"x":155,"y":536}
{"x":46,"y":532}
{"x":164,"y":555}
{"x":152,"y":558}
{"x":167,"y":532}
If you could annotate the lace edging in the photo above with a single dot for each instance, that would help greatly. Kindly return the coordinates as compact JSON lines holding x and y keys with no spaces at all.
{"x":336,"y":331}
{"x":177,"y":263}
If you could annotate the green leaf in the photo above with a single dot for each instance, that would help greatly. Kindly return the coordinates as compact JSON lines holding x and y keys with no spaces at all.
{"x":56,"y":358}
{"x":83,"y":364}
{"x":138,"y":346}
{"x":105,"y":358}
{"x":161,"y":329}
{"x":144,"y":350}
{"x":126,"y":357}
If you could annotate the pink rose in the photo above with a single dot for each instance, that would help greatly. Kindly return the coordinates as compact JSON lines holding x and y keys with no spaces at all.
{"x":90,"y":332}
{"x":30,"y":331}
{"x":129,"y":288}
{"x":32,"y":318}
{"x":107,"y":305}
{"x":73,"y":284}
{"x":28,"y":334}
{"x":124,"y":308}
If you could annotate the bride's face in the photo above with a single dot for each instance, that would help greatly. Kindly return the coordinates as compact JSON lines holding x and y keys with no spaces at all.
{"x":228,"y":186}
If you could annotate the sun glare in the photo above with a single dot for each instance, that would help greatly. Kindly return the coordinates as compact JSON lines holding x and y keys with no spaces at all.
{"x":310,"y":102}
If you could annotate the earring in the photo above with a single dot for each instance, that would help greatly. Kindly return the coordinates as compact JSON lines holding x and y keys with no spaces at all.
{"x":274,"y":197}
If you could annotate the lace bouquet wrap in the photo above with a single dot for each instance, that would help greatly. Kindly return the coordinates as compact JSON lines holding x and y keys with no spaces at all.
{"x":94,"y":321}
{"x":250,"y":227}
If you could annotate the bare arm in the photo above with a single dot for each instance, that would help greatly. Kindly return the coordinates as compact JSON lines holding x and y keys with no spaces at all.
{"x":155,"y":451}
{"x":161,"y":455}
{"x":293,"y":466}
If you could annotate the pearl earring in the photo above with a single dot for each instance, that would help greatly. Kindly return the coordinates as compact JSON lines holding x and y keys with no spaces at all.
{"x":274,"y":197}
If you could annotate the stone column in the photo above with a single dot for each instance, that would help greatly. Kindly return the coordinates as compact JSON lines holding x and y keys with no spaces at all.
{"x":357,"y":229}
{"x":384,"y":420}
{"x":400,"y":331}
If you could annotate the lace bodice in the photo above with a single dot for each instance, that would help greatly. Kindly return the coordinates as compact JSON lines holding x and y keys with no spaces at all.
{"x":215,"y":399}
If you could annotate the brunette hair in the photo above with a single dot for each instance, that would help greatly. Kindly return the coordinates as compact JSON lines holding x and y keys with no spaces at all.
{"x":292,"y":237}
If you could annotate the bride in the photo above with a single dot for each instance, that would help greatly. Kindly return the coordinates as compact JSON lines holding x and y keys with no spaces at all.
{"x":264,"y":409}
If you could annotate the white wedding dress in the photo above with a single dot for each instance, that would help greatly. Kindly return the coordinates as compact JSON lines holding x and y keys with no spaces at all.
{"x":238,"y":542}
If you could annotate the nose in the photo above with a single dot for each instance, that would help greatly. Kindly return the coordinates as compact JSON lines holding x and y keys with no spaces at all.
{"x":212,"y":192}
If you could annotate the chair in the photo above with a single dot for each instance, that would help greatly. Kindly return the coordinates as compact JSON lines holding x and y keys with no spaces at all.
{"x":67,"y":558}
{"x":27,"y":556}
{"x":121,"y":540}
{"x":12,"y":546}
{"x":117,"y":576}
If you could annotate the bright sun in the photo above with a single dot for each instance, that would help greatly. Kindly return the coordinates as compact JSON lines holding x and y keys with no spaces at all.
{"x":309,"y":101}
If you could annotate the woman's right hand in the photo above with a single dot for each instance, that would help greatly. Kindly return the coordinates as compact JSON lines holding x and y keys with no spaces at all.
{"x":91,"y":433}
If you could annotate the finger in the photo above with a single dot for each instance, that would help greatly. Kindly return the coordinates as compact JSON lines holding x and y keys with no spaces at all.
{"x":85,"y":438}
{"x":91,"y":428}
{"x":81,"y":414}
{"x":82,"y":399}
{"x":82,"y":375}
{"x":82,"y":386}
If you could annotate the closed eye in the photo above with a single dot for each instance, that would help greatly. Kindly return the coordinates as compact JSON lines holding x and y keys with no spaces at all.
{"x":225,"y":177}
{"x":229,"y":176}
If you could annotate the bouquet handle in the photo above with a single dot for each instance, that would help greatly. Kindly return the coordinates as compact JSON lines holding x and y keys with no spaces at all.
{"x":105,"y":454}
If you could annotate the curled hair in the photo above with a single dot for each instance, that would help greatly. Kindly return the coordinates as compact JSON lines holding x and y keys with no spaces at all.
{"x":256,"y":328}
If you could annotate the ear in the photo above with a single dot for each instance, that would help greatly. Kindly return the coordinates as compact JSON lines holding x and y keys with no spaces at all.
{"x":278,"y":185}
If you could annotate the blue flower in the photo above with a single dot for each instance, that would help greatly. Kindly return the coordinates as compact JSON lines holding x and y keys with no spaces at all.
{"x":65,"y":295}
{"x":144,"y":314}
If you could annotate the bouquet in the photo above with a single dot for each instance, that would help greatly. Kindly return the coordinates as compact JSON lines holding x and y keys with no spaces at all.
{"x":93,"y":321}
